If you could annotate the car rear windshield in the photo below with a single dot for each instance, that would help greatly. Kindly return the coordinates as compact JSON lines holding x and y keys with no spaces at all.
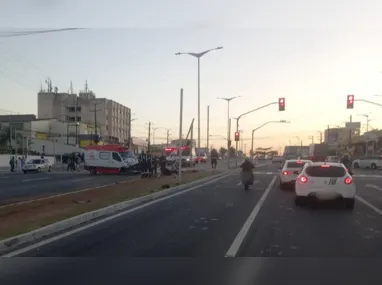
{"x":295,"y":164}
{"x":331,"y":171}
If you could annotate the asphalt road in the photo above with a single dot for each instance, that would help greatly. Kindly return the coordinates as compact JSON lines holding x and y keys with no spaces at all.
{"x":16,"y":187}
{"x":335,"y":246}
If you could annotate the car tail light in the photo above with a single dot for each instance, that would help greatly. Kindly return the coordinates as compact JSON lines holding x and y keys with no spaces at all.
{"x":348,"y":181}
{"x":285,"y":173}
{"x":303,"y":179}
{"x":325,"y":165}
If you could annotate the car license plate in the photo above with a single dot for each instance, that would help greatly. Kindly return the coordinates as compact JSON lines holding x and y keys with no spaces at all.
{"x":333,"y":181}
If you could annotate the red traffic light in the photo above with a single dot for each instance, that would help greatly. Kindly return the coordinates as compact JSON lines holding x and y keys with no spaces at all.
{"x":237,"y":136}
{"x":350,"y":102}
{"x":281,"y":104}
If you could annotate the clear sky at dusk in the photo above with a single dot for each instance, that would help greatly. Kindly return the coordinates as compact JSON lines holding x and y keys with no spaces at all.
{"x":313,"y":53}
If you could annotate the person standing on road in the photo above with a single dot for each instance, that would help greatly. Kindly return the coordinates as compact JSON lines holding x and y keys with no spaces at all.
{"x":143,"y":163}
{"x":149,"y":164}
{"x":12,"y":163}
{"x":155,"y":165}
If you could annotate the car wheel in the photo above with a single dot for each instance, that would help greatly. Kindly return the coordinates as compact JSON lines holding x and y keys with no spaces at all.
{"x":299,"y":201}
{"x":25,"y":172}
{"x":356,"y":165}
{"x":373,"y":166}
{"x":282,"y":186}
{"x":50,"y":169}
{"x":349,"y":204}
{"x":39,"y":170}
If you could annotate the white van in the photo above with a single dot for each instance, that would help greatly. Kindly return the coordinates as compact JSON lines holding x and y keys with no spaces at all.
{"x":104,"y":161}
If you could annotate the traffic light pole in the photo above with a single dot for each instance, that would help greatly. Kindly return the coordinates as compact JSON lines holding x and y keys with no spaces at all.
{"x":259,"y":127}
{"x":249,"y":112}
{"x":367,"y":101}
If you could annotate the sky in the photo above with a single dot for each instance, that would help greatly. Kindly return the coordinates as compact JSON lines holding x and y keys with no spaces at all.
{"x":312,"y":53}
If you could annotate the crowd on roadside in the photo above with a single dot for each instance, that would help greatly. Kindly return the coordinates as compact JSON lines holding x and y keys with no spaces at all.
{"x":16,"y":164}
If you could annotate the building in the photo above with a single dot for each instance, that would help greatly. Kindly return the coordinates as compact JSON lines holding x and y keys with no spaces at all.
{"x":113,"y":120}
{"x":25,"y":133}
{"x":336,"y":137}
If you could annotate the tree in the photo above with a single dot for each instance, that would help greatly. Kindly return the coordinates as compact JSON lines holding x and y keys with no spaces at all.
{"x":5,"y":136}
{"x":232,"y":151}
{"x":222,"y":151}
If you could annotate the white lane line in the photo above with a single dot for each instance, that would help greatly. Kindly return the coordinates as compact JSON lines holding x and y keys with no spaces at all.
{"x":373,"y":186}
{"x":35,"y":179}
{"x":368,"y":204}
{"x":235,"y":246}
{"x":104,"y":220}
{"x":82,"y":179}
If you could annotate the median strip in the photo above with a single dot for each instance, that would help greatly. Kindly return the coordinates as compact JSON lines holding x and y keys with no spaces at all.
{"x":34,"y":220}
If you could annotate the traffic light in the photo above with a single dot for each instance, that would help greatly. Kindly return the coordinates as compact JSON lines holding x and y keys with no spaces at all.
{"x":350,"y":102}
{"x":281,"y":104}
{"x":237,"y":136}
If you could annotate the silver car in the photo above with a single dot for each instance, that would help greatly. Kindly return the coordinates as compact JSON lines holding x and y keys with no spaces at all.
{"x":37,"y":165}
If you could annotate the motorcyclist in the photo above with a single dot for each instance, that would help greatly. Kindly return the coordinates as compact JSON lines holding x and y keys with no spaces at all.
{"x":214,"y":157}
{"x":345,"y":160}
{"x":246,"y":168}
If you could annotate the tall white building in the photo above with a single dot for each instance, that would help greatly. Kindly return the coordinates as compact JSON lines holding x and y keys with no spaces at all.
{"x":112,"y":119}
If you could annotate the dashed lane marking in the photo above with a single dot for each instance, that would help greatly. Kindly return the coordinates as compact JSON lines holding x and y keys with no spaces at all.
{"x":234,"y":248}
{"x":35,"y":179}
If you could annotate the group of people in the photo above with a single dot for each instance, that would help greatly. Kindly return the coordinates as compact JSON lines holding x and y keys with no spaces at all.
{"x":148,"y":164}
{"x":74,"y":161}
{"x":16,"y":164}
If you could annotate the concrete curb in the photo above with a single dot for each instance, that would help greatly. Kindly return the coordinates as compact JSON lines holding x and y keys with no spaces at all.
{"x":47,"y":231}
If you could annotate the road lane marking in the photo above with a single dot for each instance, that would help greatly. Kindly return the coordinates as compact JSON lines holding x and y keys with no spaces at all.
{"x":373,"y":186}
{"x":104,"y":220}
{"x":35,"y":179}
{"x":82,"y":179}
{"x":371,"y":206}
{"x":235,"y":246}
{"x":367,"y":176}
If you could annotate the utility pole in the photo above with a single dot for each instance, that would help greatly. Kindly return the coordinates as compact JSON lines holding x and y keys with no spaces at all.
{"x":312,"y":138}
{"x":148,"y":141}
{"x":95,"y":121}
{"x":167,"y":137}
{"x":350,"y":129}
{"x":320,"y":137}
{"x":327,"y":135}
{"x":208,"y":128}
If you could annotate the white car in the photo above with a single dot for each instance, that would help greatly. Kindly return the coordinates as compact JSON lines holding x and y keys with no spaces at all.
{"x":373,"y":162}
{"x":325,"y":181}
{"x":333,"y":159}
{"x":290,"y":171}
{"x":277,"y":158}
{"x":37,"y":165}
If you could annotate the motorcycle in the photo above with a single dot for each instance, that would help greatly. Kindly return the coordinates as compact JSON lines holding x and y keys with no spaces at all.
{"x":247,"y":179}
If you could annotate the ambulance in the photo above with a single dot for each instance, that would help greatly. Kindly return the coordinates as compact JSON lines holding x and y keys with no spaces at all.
{"x":112,"y":159}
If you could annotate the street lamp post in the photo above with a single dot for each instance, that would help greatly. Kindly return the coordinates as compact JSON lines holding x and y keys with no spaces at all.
{"x":198,"y":56}
{"x":259,"y":127}
{"x":228,"y":100}
{"x":246,"y":113}
{"x":130,"y":142}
